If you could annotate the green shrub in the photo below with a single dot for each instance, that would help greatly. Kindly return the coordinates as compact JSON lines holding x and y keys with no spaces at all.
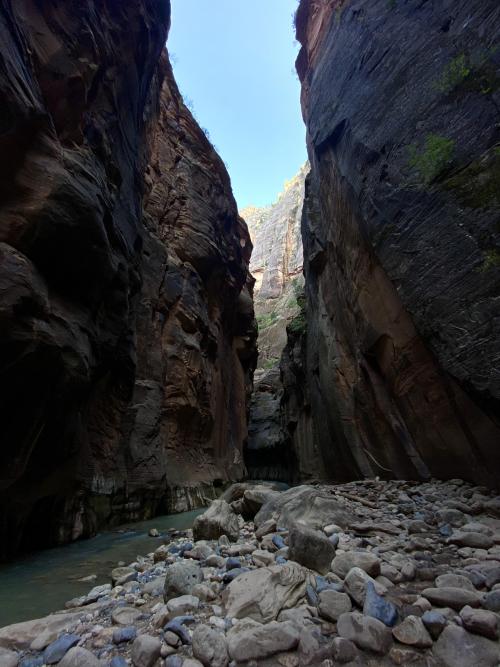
{"x":270,"y":363}
{"x":266,"y":320}
{"x":299,"y":324}
{"x":491,"y":259}
{"x":455,"y":72}
{"x":430,"y":161}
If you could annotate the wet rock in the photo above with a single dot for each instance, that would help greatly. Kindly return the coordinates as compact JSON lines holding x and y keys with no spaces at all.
{"x":176,"y":626}
{"x":378,"y":607}
{"x":218,"y":520}
{"x":456,"y":598}
{"x":210,"y":647}
{"x":32,"y":661}
{"x":310,"y":548}
{"x":79,"y":657}
{"x":261,"y":594}
{"x":250,"y":640}
{"x":435,"y":623}
{"x":413,"y":633}
{"x":332,"y":604}
{"x":355,"y":585}
{"x":58,"y":648}
{"x":366,"y":632}
{"x":118,"y":661}
{"x":127,"y":634}
{"x":458,"y":648}
{"x":180,"y":579}
{"x":480,"y":622}
{"x":153,"y":532}
{"x":364,"y":560}
{"x":145,"y":651}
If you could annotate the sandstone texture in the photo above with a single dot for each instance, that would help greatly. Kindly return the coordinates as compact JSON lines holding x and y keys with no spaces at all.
{"x":396,"y":372}
{"x":276,"y":265}
{"x":126,"y":318}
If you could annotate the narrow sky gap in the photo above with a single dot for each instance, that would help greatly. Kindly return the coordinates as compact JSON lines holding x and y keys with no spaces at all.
{"x":235,"y":63}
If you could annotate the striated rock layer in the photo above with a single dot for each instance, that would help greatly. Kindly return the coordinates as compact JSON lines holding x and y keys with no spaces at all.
{"x":126,"y":318}
{"x":276,"y":265}
{"x":398,"y":372}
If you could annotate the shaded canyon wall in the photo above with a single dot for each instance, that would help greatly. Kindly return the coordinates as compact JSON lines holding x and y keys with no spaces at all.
{"x":397,"y":370}
{"x":276,"y":265}
{"x":126,"y":317}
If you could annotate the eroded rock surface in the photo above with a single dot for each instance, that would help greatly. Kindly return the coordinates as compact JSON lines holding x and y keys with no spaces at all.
{"x":398,"y":372}
{"x":126,"y":311}
{"x":276,"y":264}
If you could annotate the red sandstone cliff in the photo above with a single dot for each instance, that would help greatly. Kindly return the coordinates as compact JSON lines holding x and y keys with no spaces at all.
{"x":126,"y":318}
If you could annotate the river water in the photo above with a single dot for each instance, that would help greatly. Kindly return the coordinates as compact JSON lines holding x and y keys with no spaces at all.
{"x":35,"y":585}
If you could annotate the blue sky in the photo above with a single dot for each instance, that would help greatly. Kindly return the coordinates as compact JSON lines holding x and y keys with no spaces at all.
{"x":235,"y":61}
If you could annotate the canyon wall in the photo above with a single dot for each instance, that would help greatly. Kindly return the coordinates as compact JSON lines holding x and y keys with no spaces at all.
{"x":126,"y":316}
{"x":276,"y":265}
{"x":397,"y":370}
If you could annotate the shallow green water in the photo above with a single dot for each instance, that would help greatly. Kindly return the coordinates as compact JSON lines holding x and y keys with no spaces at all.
{"x":38,"y":584}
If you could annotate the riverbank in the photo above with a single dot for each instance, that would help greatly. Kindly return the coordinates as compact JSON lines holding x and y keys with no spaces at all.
{"x":65,"y":572}
{"x":366,"y":573}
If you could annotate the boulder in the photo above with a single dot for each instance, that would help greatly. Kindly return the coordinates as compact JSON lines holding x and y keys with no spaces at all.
{"x":456,"y":598}
{"x":42,"y":631}
{"x":480,"y":622}
{"x":8,"y":658}
{"x":366,"y":561}
{"x":125,"y":615}
{"x":250,"y":640}
{"x":355,"y":585}
{"x":378,"y":607}
{"x":79,"y":657}
{"x":210,"y":647}
{"x":458,"y":648}
{"x":182,"y":605}
{"x":470,"y":539}
{"x":120,"y":575}
{"x":413,"y":633}
{"x":454,"y":581}
{"x":332,"y":604}
{"x":58,"y":648}
{"x":306,"y":505}
{"x":435,"y":622}
{"x":366,"y":632}
{"x":261,"y":594}
{"x":145,"y":651}
{"x":181,"y":578}
{"x":310,"y":548}
{"x":219,"y":519}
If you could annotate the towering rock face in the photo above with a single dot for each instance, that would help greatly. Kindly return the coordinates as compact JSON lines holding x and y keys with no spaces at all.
{"x":397,"y":374}
{"x":276,"y":265}
{"x":126,"y":316}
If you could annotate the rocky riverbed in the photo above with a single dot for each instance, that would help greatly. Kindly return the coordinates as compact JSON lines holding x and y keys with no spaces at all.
{"x":365,"y":573}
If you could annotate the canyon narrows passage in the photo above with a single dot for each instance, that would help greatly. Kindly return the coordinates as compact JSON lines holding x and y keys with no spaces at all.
{"x":150,"y":364}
